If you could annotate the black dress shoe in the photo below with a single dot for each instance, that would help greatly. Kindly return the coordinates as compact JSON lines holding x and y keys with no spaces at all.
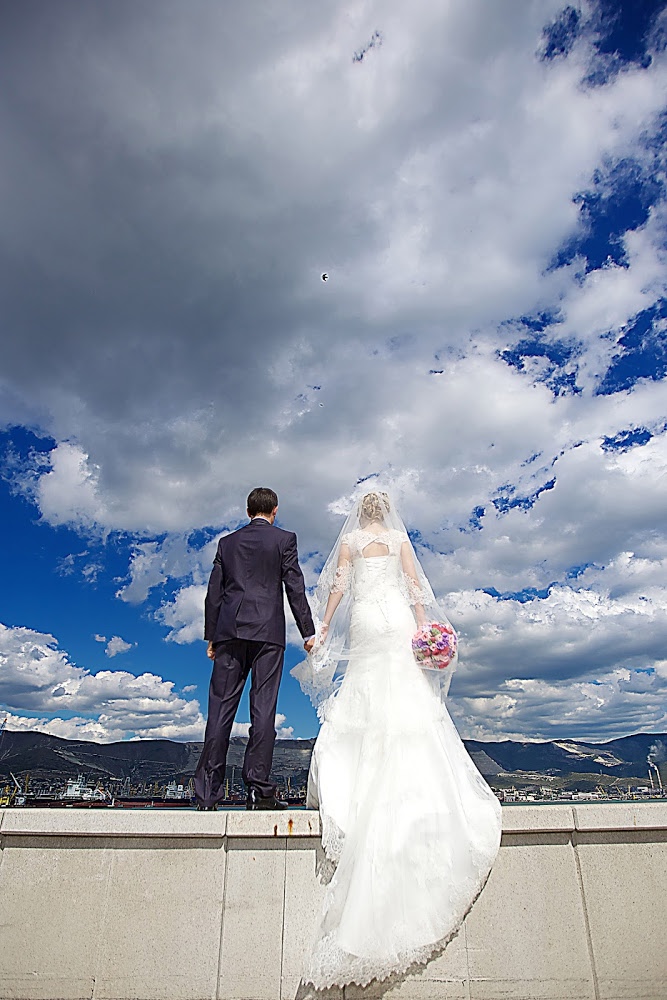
{"x":201,"y":808}
{"x":257,"y":801}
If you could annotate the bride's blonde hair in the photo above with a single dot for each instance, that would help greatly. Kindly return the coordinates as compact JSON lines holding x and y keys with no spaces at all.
{"x":374,"y":506}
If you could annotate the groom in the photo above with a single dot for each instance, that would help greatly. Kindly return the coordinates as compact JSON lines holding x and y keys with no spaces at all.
{"x":245,"y":628}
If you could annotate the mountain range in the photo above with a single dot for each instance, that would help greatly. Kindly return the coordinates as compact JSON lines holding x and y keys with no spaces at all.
{"x":50,"y":757}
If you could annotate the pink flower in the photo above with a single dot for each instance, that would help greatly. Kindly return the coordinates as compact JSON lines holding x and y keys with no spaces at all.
{"x":434,"y":645}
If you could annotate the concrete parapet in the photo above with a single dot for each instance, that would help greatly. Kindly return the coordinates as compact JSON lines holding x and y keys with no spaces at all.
{"x":173,"y":904}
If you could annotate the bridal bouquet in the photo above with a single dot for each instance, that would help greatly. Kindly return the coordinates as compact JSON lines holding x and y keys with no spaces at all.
{"x":434,"y":646}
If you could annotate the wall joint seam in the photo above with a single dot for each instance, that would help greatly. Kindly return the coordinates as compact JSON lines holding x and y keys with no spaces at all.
{"x":103,"y":921}
{"x":589,"y":937}
{"x":282,"y":931}
{"x":222,"y":919}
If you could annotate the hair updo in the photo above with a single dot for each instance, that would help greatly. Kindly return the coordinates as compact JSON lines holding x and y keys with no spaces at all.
{"x":374,"y":506}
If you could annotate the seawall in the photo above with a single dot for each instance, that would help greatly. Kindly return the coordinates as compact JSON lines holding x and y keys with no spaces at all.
{"x":179,"y":905}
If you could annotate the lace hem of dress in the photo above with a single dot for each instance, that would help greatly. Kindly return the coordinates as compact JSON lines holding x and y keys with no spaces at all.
{"x":333,"y":838}
{"x":331,"y":966}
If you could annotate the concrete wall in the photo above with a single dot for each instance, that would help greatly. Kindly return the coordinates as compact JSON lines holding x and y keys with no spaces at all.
{"x":179,"y":905}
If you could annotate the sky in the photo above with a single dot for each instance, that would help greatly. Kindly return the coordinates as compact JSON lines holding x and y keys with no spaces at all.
{"x":485,"y":187}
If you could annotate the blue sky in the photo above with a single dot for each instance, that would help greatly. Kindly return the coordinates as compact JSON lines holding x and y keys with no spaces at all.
{"x":485,"y":187}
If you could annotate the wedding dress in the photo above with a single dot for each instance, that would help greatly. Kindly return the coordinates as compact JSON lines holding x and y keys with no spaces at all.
{"x":408,"y":821}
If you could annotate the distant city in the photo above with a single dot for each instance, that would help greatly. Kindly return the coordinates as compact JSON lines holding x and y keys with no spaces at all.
{"x":37,"y":769}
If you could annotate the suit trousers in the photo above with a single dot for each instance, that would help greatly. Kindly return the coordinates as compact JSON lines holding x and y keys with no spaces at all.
{"x":234,"y":660}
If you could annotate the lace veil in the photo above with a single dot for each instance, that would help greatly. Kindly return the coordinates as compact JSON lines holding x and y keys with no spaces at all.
{"x":321,"y":672}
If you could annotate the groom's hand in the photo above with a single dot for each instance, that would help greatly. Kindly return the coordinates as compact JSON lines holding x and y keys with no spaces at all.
{"x":309,"y":643}
{"x":210,"y":651}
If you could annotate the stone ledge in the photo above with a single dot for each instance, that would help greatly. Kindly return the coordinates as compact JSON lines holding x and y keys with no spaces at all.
{"x":584,"y":816}
{"x":621,"y":816}
{"x":158,"y":823}
{"x":556,"y":818}
{"x":283,"y":823}
{"x":187,"y":823}
{"x":112,"y":823}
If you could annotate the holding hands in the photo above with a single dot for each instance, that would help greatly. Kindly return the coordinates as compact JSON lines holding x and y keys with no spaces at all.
{"x":316,"y":640}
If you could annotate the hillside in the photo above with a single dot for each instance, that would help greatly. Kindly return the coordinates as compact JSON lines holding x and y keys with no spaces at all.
{"x":45,"y":756}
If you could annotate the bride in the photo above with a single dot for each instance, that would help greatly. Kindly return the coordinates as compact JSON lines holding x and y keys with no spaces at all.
{"x":409,"y":824}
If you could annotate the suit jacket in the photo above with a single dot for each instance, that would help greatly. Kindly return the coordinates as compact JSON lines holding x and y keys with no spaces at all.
{"x":245,"y":592}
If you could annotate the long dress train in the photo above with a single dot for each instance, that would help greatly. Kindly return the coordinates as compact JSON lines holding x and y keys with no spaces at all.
{"x":410,"y":824}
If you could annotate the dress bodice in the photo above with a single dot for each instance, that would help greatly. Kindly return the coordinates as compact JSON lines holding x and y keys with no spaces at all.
{"x":374,"y":576}
{"x":359,"y":540}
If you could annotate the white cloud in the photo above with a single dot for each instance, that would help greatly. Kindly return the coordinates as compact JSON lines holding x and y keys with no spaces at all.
{"x":117,"y":645}
{"x":612,"y":705}
{"x":184,"y":616}
{"x":77,"y":728}
{"x":38,"y":677}
{"x":569,"y":633}
{"x":578,"y":661}
{"x":68,"y":491}
{"x":153,"y":563}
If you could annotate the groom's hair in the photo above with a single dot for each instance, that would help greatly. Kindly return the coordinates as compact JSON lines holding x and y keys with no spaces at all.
{"x":261,"y":501}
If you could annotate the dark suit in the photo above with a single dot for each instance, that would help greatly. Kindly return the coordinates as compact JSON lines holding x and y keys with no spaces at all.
{"x":245,"y":619}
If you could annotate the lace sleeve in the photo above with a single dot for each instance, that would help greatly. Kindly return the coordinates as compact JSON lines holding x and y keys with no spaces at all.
{"x":341,"y":578}
{"x":415,"y":593}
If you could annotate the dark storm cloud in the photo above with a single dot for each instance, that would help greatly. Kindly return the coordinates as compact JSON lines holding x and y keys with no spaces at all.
{"x":169,"y":194}
{"x":174,"y":178}
{"x":137,"y":229}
